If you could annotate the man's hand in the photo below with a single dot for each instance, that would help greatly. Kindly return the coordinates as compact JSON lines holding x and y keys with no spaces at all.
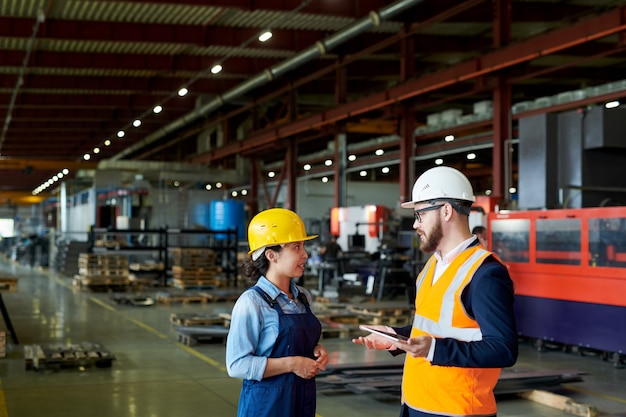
{"x":374,"y":341}
{"x":416,"y":346}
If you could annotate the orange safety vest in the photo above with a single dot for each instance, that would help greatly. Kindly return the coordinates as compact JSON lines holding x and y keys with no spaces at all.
{"x":439,"y":312}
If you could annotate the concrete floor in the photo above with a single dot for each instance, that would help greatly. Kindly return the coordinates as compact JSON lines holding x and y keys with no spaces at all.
{"x":155,"y":376}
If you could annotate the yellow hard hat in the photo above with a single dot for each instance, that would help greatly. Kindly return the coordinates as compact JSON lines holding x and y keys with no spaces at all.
{"x":274,"y":227}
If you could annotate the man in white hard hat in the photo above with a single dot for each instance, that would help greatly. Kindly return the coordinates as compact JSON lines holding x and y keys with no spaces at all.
{"x":464,"y":329}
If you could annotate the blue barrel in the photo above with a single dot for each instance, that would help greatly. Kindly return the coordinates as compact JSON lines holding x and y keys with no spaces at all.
{"x":228,"y":215}
{"x":202,"y":215}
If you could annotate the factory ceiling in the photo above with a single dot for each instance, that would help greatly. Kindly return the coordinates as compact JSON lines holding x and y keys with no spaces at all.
{"x":80,"y":80}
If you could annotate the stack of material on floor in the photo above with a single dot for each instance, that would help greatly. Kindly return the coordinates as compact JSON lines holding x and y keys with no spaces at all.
{"x":133,"y":300}
{"x":146,"y":274}
{"x":57,"y":356}
{"x":179,"y":296}
{"x":384,"y":379}
{"x":110,"y":243}
{"x":195,"y":268}
{"x":66,"y":258}
{"x":193,"y":329}
{"x":102,"y":272}
{"x":388,"y":313}
{"x":8,"y":283}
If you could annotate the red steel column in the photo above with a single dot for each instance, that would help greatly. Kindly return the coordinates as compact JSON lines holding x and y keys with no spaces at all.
{"x":501,"y":99}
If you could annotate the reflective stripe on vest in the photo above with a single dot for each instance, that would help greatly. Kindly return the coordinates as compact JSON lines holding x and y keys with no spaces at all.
{"x":447,"y":390}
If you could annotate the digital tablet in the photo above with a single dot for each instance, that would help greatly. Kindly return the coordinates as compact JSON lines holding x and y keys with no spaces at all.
{"x":391,"y":336}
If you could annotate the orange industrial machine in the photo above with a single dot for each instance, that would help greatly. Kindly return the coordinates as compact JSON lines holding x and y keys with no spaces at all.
{"x":569,"y":269}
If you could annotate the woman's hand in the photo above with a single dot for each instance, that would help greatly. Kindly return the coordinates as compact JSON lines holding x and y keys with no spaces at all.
{"x":321,"y":354}
{"x":306,"y":368}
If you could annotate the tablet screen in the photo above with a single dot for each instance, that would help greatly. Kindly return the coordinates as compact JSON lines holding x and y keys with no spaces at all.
{"x":390,"y":336}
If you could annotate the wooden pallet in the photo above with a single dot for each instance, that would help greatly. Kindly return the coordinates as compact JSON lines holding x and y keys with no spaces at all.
{"x":221,"y":295}
{"x":58,"y":356}
{"x":343,"y":318}
{"x":103,"y":271}
{"x":383,"y":313}
{"x":191,"y":319}
{"x":195,"y":273}
{"x":194,"y":257}
{"x":94,"y":259}
{"x":381,"y":309}
{"x":332,"y":329}
{"x":149,"y":267}
{"x":8,"y":283}
{"x":169,"y":298}
{"x":101,"y":283}
{"x":194,"y":284}
{"x":134,"y":300}
{"x":192,"y":336}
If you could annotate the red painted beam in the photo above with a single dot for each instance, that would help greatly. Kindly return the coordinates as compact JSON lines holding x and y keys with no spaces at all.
{"x":538,"y":46}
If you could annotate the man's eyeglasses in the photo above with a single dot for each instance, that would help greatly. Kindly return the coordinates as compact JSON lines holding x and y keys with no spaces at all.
{"x":418,"y":213}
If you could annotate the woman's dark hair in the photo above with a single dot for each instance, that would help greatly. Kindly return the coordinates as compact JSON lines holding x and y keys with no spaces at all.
{"x":253,"y":270}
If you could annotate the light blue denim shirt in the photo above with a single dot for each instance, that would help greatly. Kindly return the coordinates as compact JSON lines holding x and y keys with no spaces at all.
{"x":254,"y":328}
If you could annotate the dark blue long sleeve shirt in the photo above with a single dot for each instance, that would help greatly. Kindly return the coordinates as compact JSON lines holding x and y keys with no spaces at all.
{"x":488,"y":299}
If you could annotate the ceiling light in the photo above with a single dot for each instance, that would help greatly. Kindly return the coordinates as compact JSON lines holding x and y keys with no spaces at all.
{"x":107,"y":142}
{"x":306,"y":167}
{"x":60,"y":175}
{"x":265,"y":36}
{"x":66,"y":171}
{"x":471,"y":156}
{"x":120,"y":133}
{"x":271,"y":174}
{"x":233,"y":193}
{"x":208,"y":187}
{"x":379,"y":152}
{"x":438,"y":161}
{"x":512,"y":190}
{"x":488,"y":192}
{"x":385,"y":170}
{"x":86,"y":157}
{"x":352,"y":158}
{"x":244,"y":192}
{"x":612,"y":104}
{"x":218,"y":185}
{"x":216,"y":68}
{"x":96,"y":150}
{"x":55,"y":178}
{"x":449,"y":138}
{"x":137,"y":123}
{"x":183,"y":91}
{"x":363,"y":173}
{"x":157,"y":109}
{"x":324,"y":179}
{"x":328,"y":162}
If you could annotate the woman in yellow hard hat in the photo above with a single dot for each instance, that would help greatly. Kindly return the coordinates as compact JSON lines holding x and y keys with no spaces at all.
{"x":273,"y":337}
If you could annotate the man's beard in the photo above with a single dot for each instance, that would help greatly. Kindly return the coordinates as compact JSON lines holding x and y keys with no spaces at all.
{"x":431,"y":241}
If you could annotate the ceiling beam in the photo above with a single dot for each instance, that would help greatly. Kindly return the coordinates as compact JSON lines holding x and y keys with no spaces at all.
{"x":536,"y":47}
{"x":45,"y":164}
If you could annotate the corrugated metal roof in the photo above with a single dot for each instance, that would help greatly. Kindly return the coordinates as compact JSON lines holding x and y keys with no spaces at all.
{"x":126,"y":64}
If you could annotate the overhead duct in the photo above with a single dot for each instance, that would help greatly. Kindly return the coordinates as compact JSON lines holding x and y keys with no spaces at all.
{"x":158,"y":170}
{"x":318,"y":49}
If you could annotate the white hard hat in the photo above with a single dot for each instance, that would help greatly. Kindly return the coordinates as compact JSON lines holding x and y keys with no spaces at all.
{"x":441,"y":183}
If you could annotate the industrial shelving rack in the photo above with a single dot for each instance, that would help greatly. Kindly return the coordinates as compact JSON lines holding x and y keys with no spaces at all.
{"x":161,"y":241}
